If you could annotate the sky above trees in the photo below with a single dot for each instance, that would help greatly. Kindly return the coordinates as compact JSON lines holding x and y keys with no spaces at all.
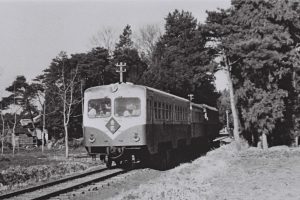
{"x":34,"y":32}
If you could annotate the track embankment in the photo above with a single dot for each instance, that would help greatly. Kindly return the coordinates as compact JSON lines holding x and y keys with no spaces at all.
{"x":226,"y":173}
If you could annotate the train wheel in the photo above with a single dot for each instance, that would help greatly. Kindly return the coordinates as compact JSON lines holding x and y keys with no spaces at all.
{"x":164,"y":164}
{"x":165,"y":160}
{"x":118,"y":163}
{"x":128,"y":165}
{"x":169,"y":158}
{"x":108,"y":163}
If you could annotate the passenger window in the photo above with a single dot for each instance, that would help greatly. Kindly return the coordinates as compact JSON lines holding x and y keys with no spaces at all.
{"x":155,"y":110}
{"x":167,"y":111}
{"x":163,"y":110}
{"x":99,"y":108}
{"x":159,"y":110}
{"x":127,"y":107}
{"x":180,"y":113}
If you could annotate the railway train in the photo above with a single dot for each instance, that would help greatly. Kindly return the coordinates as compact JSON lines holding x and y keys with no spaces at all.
{"x":126,"y":123}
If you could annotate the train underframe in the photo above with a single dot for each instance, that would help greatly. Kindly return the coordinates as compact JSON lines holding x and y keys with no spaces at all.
{"x":125,"y":157}
{"x":166,"y":157}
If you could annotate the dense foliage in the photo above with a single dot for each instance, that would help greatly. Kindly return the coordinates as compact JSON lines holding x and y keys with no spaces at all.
{"x":126,"y":52}
{"x":260,"y":37}
{"x":180,"y":60}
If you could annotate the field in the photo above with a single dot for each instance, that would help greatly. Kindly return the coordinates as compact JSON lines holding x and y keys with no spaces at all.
{"x":28,"y":167}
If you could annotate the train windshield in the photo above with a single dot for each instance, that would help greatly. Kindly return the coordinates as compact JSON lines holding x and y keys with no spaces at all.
{"x":99,"y":108}
{"x":127,"y":107}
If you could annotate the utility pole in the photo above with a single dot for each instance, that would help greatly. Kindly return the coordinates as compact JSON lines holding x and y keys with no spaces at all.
{"x":121,"y":71}
{"x":191,"y":97}
{"x":227,"y":122}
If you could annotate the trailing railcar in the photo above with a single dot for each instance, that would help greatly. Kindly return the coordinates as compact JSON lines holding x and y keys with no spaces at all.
{"x":126,"y":123}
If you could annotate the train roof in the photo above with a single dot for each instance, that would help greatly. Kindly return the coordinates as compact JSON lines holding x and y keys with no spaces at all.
{"x":154,"y":90}
{"x":166,"y":93}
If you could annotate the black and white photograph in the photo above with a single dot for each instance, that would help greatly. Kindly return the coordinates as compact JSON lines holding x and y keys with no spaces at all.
{"x":150,"y":99}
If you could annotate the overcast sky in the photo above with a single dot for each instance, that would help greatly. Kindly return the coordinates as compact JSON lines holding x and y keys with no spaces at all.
{"x":33,"y":32}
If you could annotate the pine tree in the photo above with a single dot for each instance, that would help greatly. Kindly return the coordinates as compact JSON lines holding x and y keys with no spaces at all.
{"x":126,"y":53}
{"x":258,"y":38}
{"x":180,"y":60}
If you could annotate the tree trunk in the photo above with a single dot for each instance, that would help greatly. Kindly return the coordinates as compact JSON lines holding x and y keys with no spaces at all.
{"x":13,"y":141}
{"x":294,"y":118}
{"x":2,"y":147}
{"x":264,"y":141}
{"x":3,"y":134}
{"x":66,"y":140}
{"x":236,"y":133}
{"x":65,"y":115}
{"x":44,"y":126}
{"x":33,"y":125}
{"x":13,"y":134}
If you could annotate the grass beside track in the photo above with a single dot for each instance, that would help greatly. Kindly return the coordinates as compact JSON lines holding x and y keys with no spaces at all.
{"x":29,"y":167}
{"x":31,"y":157}
{"x":226,"y":173}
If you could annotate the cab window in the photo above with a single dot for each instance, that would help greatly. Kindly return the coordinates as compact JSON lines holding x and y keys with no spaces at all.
{"x":127,"y":107}
{"x":99,"y":108}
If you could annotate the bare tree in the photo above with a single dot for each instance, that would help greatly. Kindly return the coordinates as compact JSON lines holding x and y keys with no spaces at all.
{"x":66,"y":87}
{"x":40,"y":95}
{"x":106,"y":37}
{"x":146,"y":39}
{"x":3,"y":132}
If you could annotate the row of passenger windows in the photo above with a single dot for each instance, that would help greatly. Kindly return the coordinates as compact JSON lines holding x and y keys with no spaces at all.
{"x":166,"y":111}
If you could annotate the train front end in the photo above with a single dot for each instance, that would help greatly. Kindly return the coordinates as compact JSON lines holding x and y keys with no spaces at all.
{"x":114,"y":121}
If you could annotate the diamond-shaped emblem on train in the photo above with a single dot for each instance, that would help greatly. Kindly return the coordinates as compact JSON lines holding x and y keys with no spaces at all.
{"x":112,"y":125}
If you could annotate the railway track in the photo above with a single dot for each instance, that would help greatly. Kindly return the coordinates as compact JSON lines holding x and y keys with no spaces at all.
{"x":62,"y":186}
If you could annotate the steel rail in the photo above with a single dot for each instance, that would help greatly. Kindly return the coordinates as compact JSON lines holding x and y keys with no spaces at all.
{"x":79,"y":185}
{"x":49,"y":184}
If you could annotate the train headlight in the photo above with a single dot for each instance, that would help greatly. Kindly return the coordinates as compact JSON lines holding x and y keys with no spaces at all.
{"x":92,"y":138}
{"x":136,"y":137}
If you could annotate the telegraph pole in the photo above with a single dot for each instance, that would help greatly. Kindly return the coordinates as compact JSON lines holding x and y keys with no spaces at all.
{"x":121,"y":70}
{"x":227,"y":122}
{"x":191,"y":97}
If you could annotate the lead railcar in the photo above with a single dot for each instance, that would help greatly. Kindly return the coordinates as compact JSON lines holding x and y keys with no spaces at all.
{"x":128,"y":123}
